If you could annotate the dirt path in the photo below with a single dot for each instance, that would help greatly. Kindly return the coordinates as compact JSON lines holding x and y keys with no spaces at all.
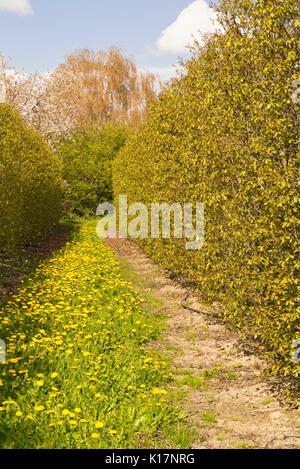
{"x":227,"y":401}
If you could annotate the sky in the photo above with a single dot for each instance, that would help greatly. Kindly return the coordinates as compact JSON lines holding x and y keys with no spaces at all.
{"x":37,"y":34}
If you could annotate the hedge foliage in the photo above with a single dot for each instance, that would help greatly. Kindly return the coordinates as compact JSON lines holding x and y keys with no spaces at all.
{"x":30,"y":182}
{"x":87,"y":157}
{"x":225,"y":133}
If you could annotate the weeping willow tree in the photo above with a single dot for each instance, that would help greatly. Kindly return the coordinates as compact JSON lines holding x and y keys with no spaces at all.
{"x":88,"y":88}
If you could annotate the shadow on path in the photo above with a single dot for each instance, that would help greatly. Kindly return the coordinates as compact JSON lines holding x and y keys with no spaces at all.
{"x":17,"y":266}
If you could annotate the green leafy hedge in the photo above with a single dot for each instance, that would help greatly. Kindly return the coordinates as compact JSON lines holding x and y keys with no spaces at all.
{"x":30,"y":182}
{"x":226,"y":134}
{"x":87,"y":157}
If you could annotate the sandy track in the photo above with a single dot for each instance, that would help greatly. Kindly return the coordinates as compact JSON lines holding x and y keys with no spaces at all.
{"x":228,"y":402}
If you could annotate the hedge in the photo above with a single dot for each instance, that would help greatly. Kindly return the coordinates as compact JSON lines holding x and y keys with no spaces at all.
{"x":87,"y":157}
{"x":225,"y":133}
{"x":30,"y":182}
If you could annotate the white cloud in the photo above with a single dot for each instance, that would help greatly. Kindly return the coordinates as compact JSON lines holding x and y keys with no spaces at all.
{"x":197,"y":18}
{"x":21,"y":7}
{"x":164,"y":73}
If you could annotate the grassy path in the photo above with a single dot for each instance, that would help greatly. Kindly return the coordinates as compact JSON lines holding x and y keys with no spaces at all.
{"x":90,"y":364}
{"x":218,"y":382}
{"x":77,"y":373}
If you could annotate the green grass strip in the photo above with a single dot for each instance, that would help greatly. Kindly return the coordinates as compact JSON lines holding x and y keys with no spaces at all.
{"x":77,"y":374}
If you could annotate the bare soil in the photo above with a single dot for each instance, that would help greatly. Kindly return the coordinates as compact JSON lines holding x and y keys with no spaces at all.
{"x":227,"y":399}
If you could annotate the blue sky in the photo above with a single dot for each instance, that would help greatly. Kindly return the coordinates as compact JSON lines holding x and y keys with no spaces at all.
{"x":37,"y":34}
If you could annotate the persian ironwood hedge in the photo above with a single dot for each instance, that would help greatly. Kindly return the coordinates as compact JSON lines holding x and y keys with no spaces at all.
{"x":226,"y":133}
{"x":87,"y":158}
{"x":30,"y":182}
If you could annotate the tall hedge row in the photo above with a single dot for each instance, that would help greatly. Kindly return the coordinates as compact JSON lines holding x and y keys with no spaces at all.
{"x":226,"y":133}
{"x":30,"y":182}
{"x":87,"y":158}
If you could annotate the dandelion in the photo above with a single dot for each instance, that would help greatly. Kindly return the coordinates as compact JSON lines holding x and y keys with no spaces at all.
{"x":39,"y":408}
{"x":64,"y":318}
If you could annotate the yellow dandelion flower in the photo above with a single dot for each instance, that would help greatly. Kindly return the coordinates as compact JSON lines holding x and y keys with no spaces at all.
{"x":39,"y":408}
{"x":99,"y":424}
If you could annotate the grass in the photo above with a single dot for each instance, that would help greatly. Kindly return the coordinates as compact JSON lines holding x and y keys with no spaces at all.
{"x":192,"y":381}
{"x":77,"y":374}
{"x":209,"y":416}
{"x":180,"y":437}
{"x":232,"y":376}
{"x":18,"y":265}
{"x":210,"y":373}
{"x":173,"y":437}
{"x":268,"y":401}
{"x":13,"y":268}
{"x":194,"y":336}
{"x":243,"y":445}
{"x":143,"y":285}
{"x":182,"y":372}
